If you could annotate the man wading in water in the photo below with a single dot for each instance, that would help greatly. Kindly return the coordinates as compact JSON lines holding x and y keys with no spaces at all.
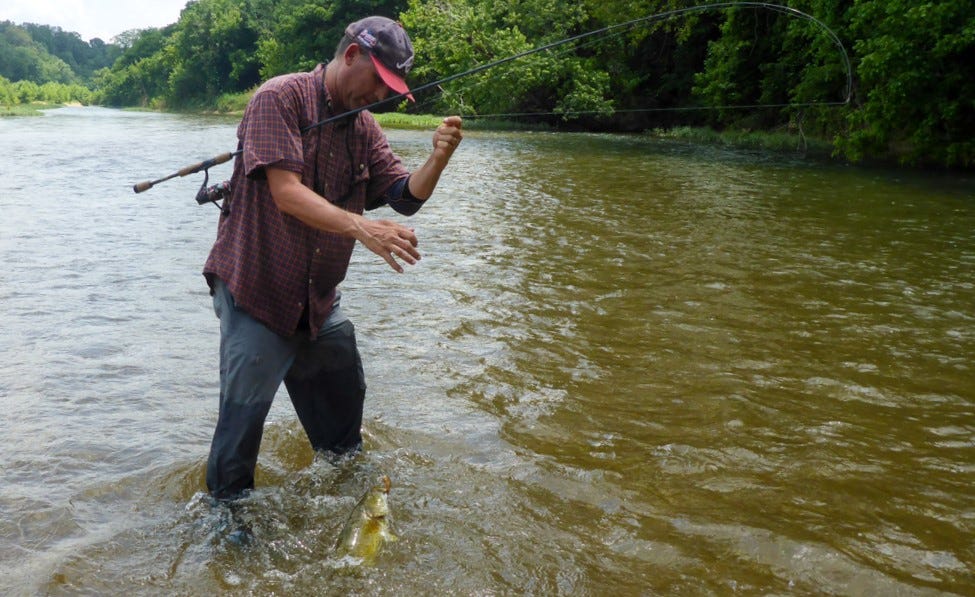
{"x":295,"y":213}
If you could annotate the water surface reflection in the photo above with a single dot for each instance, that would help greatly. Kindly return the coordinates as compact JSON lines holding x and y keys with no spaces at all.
{"x":621,"y":366}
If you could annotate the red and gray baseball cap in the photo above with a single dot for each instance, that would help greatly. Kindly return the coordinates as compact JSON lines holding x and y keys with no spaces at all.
{"x":386,"y":42}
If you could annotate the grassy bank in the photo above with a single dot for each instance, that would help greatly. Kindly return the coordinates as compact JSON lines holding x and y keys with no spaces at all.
{"x":32,"y":109}
{"x":778,"y":142}
{"x":764,"y":140}
{"x":234,"y":105}
{"x":430,"y":122}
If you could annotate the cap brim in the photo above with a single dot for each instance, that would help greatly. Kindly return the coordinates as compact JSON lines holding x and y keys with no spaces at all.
{"x":391,"y":79}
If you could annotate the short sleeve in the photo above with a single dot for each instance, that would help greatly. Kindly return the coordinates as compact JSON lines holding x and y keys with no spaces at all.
{"x":270,"y":134}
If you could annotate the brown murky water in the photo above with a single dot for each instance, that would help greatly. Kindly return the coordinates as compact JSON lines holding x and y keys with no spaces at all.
{"x":622,"y":367}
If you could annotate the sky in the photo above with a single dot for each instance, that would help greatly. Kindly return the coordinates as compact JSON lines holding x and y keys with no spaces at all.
{"x":93,"y":18}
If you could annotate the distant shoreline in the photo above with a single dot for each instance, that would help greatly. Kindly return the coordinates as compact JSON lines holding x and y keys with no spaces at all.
{"x":766,"y":141}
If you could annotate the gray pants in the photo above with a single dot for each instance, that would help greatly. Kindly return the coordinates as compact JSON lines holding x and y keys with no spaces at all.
{"x":323,"y":376}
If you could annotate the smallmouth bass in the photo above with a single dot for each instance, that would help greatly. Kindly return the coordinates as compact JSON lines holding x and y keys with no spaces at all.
{"x":368,"y":527}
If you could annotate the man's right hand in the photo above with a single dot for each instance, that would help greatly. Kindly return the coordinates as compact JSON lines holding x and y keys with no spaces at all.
{"x":389,"y":240}
{"x":385,"y":238}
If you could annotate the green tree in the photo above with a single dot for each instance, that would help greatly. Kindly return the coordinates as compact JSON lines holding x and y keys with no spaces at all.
{"x":916,"y":95}
{"x":8,"y":95}
{"x":214,"y":50}
{"x":913,"y":96}
{"x":27,"y":91}
{"x":299,"y":34}
{"x":483,"y":31}
{"x":83,"y":58}
{"x":764,"y":57}
{"x":652,"y":64}
{"x":21,"y":58}
{"x":141,"y":74}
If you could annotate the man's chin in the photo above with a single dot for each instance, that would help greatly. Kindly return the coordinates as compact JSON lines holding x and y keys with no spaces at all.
{"x":387,"y":105}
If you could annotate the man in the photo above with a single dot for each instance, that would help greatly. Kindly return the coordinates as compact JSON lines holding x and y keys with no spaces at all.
{"x":285,"y":238}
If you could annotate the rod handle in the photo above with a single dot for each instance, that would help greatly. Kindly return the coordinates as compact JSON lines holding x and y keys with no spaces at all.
{"x":223,"y":157}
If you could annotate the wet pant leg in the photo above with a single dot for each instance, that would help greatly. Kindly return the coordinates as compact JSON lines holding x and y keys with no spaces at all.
{"x":327,"y":387}
{"x":253,"y":362}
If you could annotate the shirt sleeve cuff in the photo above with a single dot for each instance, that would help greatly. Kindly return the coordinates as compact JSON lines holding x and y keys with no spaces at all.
{"x":399,"y":198}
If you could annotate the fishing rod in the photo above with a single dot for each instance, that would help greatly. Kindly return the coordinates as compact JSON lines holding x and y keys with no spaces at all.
{"x":205,"y":165}
{"x":192,"y":169}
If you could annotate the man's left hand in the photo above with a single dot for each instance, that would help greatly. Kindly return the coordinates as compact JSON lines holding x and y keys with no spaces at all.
{"x":447,"y":137}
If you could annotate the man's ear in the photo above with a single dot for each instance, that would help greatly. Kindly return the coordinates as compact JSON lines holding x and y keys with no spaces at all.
{"x":351,"y":53}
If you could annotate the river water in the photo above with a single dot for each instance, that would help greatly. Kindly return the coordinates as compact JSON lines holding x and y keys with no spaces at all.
{"x":623,"y":366}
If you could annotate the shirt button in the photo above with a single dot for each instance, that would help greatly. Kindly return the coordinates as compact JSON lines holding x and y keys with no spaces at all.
{"x":300,"y":305}
{"x":318,"y":251}
{"x":361,"y":166}
{"x":310,"y":281}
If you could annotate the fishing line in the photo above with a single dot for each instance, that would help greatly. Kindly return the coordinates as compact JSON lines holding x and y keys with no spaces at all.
{"x":666,"y":109}
{"x":224,"y":157}
{"x":470,"y":87}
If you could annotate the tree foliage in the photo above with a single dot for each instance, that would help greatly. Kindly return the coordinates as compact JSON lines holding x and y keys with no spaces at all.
{"x":140,"y":76}
{"x":913,"y":98}
{"x":559,"y":82}
{"x":41,"y":53}
{"x":23,"y":59}
{"x":916,"y":94}
{"x":84,"y":57}
{"x":297,"y":34}
{"x":213,"y":51}
{"x":765,"y":57}
{"x":25,"y":92}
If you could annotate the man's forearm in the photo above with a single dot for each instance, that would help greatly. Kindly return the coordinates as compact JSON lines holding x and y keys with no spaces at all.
{"x":385,"y":238}
{"x":424,"y":180}
{"x":297,"y":200}
{"x":445,"y":140}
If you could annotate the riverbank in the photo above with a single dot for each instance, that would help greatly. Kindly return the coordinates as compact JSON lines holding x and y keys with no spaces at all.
{"x":233,"y":105}
{"x":31,"y":109}
{"x":777,"y":142}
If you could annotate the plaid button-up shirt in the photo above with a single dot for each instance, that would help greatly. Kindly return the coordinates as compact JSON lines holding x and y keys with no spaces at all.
{"x":276,"y":267}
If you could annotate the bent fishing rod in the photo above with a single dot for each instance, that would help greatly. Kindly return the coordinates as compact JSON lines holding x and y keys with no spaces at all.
{"x":205,"y":165}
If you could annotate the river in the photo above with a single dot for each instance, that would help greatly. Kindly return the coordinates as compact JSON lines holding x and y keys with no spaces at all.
{"x":622,"y":367}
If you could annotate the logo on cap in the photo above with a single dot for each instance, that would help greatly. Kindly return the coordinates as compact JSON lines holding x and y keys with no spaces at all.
{"x":405,"y":66}
{"x":367,"y":39}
